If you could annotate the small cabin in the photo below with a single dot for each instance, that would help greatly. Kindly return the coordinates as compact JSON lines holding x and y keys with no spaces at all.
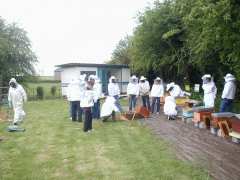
{"x":73,"y":70}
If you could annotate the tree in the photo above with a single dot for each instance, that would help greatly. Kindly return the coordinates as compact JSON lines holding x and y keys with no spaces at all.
{"x":121,"y":54}
{"x":184,"y":39}
{"x":16,"y":55}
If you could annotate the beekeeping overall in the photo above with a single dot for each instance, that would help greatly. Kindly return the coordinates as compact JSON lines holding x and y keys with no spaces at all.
{"x":133,"y":92}
{"x":74,"y":95}
{"x":157,"y":92}
{"x":114,"y":91}
{"x":228,"y":93}
{"x":16,"y":98}
{"x":170,"y":106}
{"x":176,"y":91}
{"x":144,"y":89}
{"x":209,"y":89}
{"x":97,"y":88}
{"x":108,"y":107}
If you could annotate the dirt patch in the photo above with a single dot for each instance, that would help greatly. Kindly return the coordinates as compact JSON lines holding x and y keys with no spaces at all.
{"x":219,"y":156}
{"x":3,"y":116}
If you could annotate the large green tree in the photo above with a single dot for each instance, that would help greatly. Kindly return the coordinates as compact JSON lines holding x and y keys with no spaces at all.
{"x":122,"y":52}
{"x":16,"y":55}
{"x":184,"y":39}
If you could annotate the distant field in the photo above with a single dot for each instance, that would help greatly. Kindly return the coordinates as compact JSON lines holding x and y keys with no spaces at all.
{"x":43,"y":78}
{"x":31,"y":89}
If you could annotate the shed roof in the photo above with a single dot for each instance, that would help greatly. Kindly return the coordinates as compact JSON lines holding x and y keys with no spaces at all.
{"x":92,"y":65}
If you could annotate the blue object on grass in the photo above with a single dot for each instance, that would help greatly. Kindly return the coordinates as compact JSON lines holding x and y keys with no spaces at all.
{"x":14,"y":128}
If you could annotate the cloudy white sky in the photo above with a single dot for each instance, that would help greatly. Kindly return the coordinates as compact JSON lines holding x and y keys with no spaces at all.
{"x":64,"y":31}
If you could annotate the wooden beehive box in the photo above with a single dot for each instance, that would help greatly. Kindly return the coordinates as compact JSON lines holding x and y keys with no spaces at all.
{"x":199,"y":116}
{"x":225,"y":116}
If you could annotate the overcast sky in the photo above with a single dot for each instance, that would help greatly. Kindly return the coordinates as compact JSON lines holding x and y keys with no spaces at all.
{"x":64,"y":31}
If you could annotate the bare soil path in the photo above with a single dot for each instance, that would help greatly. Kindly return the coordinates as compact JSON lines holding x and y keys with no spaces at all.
{"x":219,"y":156}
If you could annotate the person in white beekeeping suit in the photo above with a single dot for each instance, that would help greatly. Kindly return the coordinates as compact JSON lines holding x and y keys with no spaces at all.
{"x":114,"y":91}
{"x":169,"y":108}
{"x":133,"y":92}
{"x":97,"y":88}
{"x":176,"y":91}
{"x":228,"y":93}
{"x":87,"y":104}
{"x":209,"y":89}
{"x":157,"y":92}
{"x":109,"y":108}
{"x":16,"y":98}
{"x":144,"y":89}
{"x":74,"y":97}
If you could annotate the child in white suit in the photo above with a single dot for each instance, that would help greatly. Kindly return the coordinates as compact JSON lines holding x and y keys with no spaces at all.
{"x":170,"y":106}
{"x":87,"y":104}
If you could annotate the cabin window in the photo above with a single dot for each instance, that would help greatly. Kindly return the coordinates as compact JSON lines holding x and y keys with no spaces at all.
{"x":88,"y":73}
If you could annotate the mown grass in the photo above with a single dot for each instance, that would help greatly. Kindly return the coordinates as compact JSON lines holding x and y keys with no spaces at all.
{"x":52,"y":147}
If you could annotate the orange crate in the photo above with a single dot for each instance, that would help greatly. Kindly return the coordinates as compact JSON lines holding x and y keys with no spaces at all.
{"x":199,"y":116}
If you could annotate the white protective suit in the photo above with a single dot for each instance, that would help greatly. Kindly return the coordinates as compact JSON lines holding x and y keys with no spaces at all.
{"x":176,"y":91}
{"x":144,"y":88}
{"x":16,"y":97}
{"x":229,"y":90}
{"x":133,"y":87}
{"x":109,"y":106}
{"x":157,"y":90}
{"x":210,"y":91}
{"x":74,"y":91}
{"x":88,"y":99}
{"x":113,"y":88}
{"x":97,"y":88}
{"x":82,"y":85}
{"x":170,"y":106}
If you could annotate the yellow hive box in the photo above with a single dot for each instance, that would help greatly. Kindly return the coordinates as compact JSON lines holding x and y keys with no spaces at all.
{"x":181,"y":101}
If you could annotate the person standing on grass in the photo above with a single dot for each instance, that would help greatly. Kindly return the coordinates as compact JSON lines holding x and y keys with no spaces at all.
{"x":114,"y":91}
{"x":87,"y":104}
{"x":133,"y":92}
{"x":209,"y":89}
{"x":156,"y":93}
{"x":16,"y":98}
{"x":144,"y":89}
{"x":74,"y":95}
{"x":228,"y":93}
{"x":97,"y":88}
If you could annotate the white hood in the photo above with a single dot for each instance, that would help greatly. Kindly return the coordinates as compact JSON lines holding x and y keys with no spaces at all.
{"x":111,"y":78}
{"x":229,"y":77}
{"x":13,"y":80}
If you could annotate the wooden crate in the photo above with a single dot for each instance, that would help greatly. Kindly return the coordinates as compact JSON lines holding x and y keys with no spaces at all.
{"x":200,"y":116}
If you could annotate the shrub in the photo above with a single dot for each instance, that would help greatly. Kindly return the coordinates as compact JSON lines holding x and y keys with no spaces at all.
{"x":40,"y":92}
{"x":53,"y":90}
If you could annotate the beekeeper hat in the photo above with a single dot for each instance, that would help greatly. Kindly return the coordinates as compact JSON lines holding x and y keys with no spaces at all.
{"x":91,"y":77}
{"x":13,"y":80}
{"x":170,"y":85}
{"x":229,"y":77}
{"x":158,"y":79}
{"x":142,"y":78}
{"x":134,"y":77}
{"x":206,"y":76}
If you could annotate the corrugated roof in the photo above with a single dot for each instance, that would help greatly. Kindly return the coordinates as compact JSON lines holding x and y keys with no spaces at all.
{"x":92,"y":65}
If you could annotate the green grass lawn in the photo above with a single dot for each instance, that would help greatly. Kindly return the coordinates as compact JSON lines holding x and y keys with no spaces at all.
{"x":52,"y":147}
